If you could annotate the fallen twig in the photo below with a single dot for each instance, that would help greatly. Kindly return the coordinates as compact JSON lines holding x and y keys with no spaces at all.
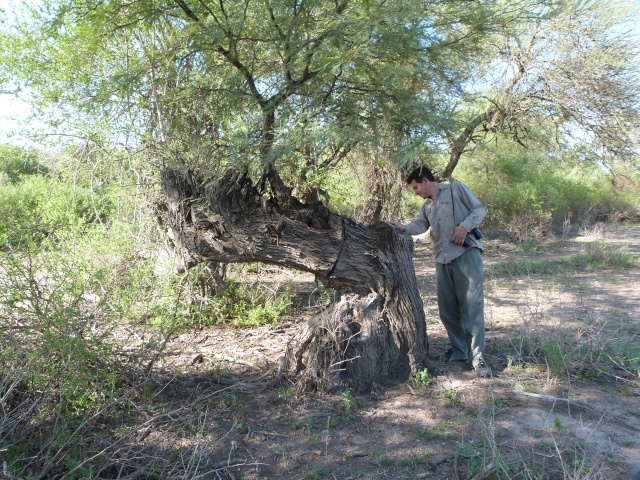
{"x":552,"y":399}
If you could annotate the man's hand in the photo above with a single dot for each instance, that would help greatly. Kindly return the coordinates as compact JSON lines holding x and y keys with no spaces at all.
{"x":397,"y":225}
{"x":459,"y":234}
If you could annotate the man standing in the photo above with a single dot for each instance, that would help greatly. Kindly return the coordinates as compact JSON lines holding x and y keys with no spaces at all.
{"x":452,"y":211}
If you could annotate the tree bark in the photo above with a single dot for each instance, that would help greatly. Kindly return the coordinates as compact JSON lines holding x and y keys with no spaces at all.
{"x":375,"y":330}
{"x":379,"y":186}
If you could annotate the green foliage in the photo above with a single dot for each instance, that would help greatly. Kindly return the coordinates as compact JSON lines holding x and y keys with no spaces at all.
{"x":38,"y":208}
{"x":16,"y":163}
{"x":349,"y":401}
{"x":429,"y":435}
{"x":342,"y":182}
{"x":173,"y":301}
{"x":61,"y":254}
{"x":452,"y":396}
{"x":317,"y":473}
{"x":624,"y":354}
{"x":62,"y":353}
{"x":500,"y":403}
{"x":555,"y":357}
{"x":546,"y":447}
{"x":354,"y":74}
{"x":50,"y":234}
{"x":245,"y":305}
{"x":558,"y":426}
{"x":596,"y":257}
{"x":421,"y":379}
{"x":531,"y":194}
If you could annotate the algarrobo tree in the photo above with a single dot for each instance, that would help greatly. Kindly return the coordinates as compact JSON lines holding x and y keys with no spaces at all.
{"x":374,"y":332}
{"x":575,"y":68}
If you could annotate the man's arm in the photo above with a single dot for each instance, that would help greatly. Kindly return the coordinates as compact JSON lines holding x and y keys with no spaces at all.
{"x":416,"y":226}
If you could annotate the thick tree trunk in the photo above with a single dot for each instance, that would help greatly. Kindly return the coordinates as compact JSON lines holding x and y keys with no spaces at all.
{"x":374,"y":332}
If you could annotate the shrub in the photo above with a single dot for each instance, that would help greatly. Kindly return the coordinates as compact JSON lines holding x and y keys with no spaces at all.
{"x":528,"y":196}
{"x":16,"y":162}
{"x":38,"y":207}
{"x":173,"y":301}
{"x":244,"y":305}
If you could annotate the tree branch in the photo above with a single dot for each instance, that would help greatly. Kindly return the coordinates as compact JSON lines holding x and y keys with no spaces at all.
{"x":185,"y":8}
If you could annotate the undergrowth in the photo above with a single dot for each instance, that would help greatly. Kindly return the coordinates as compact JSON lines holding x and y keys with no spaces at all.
{"x":595,"y":257}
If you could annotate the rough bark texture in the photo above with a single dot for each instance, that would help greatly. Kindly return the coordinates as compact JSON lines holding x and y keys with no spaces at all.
{"x":374,"y":332}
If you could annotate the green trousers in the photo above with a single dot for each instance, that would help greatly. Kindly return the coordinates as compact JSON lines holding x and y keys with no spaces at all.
{"x":460,"y":287}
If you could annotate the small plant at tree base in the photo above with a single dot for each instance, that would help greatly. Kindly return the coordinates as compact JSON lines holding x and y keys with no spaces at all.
{"x":349,"y":402}
{"x":421,"y":379}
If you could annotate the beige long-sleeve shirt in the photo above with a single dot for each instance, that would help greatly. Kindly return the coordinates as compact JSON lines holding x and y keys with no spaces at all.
{"x":438,"y":216}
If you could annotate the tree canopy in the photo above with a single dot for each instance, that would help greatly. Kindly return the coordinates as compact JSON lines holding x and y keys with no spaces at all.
{"x":295,"y":86}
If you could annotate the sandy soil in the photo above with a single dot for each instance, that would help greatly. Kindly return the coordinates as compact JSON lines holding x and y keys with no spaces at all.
{"x":523,"y":422}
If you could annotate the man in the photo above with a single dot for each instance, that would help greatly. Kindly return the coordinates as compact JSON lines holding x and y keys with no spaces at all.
{"x":452,"y":211}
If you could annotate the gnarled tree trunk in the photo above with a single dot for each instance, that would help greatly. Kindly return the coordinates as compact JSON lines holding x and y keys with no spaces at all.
{"x":374,"y":332}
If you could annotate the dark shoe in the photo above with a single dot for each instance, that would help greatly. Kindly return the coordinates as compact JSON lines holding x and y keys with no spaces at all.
{"x":447,"y":357}
{"x":481,"y":368}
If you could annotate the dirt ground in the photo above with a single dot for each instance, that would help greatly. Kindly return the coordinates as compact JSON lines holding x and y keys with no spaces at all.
{"x":527,"y":421}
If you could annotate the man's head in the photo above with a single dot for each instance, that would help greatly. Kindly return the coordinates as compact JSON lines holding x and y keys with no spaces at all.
{"x":419,"y":174}
{"x":423,"y":182}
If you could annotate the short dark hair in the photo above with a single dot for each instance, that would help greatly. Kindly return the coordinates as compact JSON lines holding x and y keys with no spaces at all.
{"x":420,"y":174}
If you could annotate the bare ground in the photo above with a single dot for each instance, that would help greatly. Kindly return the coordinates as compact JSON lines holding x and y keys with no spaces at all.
{"x":533,"y":419}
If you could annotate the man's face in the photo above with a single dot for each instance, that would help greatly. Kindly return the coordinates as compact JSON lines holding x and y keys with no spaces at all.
{"x":421,"y":188}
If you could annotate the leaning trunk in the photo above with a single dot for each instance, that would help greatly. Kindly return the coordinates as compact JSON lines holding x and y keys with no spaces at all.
{"x":375,"y":330}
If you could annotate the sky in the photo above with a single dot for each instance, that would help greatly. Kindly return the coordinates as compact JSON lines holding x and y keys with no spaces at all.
{"x":13,"y":120}
{"x":13,"y":112}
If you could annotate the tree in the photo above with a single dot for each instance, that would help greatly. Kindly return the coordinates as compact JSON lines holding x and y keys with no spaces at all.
{"x":374,"y":332}
{"x":293,"y":82}
{"x":573,"y":69}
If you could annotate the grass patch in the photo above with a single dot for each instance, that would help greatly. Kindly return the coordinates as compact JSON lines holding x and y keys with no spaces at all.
{"x":596,"y":256}
{"x":428,"y":435}
{"x":452,"y":396}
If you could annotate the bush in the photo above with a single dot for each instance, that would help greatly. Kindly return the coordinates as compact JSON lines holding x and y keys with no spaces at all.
{"x":528,"y":196}
{"x":38,"y":207}
{"x":59,"y":358}
{"x":240,"y":304}
{"x":16,"y":163}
